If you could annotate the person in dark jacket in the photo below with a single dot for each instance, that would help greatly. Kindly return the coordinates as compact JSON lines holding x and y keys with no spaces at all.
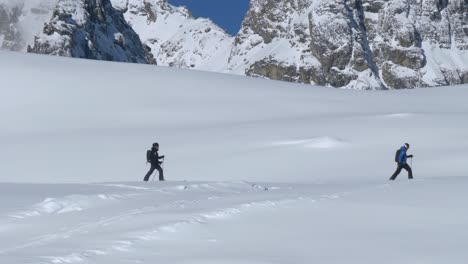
{"x":402,"y":164}
{"x":154,"y":159}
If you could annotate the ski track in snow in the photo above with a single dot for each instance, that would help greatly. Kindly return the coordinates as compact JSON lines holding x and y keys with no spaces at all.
{"x":75,"y":203}
{"x":196,"y":211}
{"x":72,"y":203}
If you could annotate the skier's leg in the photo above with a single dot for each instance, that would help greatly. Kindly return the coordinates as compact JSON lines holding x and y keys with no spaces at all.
{"x":147,"y":176}
{"x":409,"y":170}
{"x":161,"y":173}
{"x":398,"y":170}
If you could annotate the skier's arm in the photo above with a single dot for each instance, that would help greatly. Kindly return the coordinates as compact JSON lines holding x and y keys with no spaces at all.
{"x":160,"y":157}
{"x":410,"y":156}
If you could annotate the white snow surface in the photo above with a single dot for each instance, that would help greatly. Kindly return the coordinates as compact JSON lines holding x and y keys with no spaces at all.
{"x":258,"y":171}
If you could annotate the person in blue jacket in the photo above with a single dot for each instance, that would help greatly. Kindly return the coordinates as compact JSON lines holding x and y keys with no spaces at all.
{"x":402,"y":164}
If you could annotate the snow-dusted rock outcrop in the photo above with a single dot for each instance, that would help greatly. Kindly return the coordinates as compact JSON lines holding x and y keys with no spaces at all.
{"x":274,"y":41}
{"x":21,"y":20}
{"x":360,"y":44}
{"x":420,"y":43}
{"x":175,"y":37}
{"x":90,"y":29}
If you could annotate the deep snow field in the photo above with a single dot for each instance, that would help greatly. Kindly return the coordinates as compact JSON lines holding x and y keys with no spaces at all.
{"x":259,"y":172}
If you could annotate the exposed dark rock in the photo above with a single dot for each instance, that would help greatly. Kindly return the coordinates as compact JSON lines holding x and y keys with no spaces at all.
{"x":90,"y":29}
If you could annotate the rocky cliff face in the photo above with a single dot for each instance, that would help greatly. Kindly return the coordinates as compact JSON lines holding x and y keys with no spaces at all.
{"x":90,"y":29}
{"x":421,"y":43}
{"x":175,"y":37}
{"x":355,"y":44}
{"x":274,"y":42}
{"x":359,"y":44}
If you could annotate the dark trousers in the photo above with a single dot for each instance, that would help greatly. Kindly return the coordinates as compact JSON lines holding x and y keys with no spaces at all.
{"x":155,"y":167}
{"x":400,"y":167}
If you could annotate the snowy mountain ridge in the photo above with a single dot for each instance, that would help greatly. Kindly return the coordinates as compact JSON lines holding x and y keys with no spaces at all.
{"x":356,"y":44}
{"x":175,"y":37}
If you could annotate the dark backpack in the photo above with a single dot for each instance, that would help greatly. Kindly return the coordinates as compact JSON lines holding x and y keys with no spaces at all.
{"x":149,"y":156}
{"x":397,"y":156}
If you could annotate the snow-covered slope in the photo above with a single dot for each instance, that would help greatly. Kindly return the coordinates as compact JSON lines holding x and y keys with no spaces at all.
{"x":207,"y":123}
{"x":175,"y":37}
{"x":258,"y":171}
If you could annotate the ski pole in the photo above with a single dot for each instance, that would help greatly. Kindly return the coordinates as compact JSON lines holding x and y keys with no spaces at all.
{"x":163,"y":163}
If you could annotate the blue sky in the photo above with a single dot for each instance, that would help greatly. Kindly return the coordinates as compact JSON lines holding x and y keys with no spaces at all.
{"x":228,"y":14}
